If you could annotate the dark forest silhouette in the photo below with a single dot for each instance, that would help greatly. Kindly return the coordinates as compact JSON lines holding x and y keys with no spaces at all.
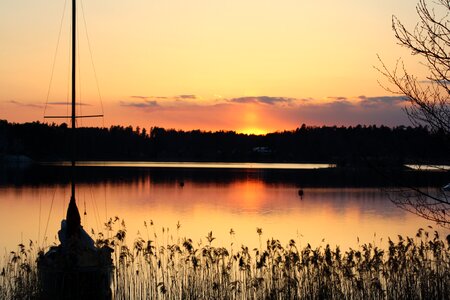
{"x":345,"y":146}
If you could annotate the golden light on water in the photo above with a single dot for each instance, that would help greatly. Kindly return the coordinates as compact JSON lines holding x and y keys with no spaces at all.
{"x":337,"y":215}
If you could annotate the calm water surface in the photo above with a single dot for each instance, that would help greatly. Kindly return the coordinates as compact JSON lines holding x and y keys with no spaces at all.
{"x":196,"y":165}
{"x":242,"y":202}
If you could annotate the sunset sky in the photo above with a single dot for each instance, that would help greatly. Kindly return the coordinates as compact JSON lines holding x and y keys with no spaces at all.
{"x":247,"y":65}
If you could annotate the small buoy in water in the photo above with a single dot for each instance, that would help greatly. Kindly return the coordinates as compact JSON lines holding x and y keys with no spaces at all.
{"x":301,"y":193}
{"x":181,"y":183}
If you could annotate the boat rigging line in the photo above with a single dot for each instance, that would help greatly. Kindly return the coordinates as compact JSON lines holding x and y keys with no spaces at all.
{"x":54,"y":57}
{"x":76,"y":83}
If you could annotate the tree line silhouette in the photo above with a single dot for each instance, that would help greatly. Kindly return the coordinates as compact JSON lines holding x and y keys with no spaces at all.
{"x":345,"y":146}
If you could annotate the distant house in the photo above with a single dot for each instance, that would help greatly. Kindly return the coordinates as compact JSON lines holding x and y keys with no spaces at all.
{"x":262,"y":150}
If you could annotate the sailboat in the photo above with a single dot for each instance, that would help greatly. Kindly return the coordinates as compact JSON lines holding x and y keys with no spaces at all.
{"x":75,"y":269}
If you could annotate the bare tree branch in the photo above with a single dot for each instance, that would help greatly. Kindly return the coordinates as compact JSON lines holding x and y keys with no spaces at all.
{"x":429,"y":100}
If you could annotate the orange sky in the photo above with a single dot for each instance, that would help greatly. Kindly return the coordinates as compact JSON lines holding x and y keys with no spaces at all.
{"x":250,"y":66}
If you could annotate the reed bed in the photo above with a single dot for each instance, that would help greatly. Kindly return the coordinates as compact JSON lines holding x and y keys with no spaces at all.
{"x":18,"y":277}
{"x":168,"y":267}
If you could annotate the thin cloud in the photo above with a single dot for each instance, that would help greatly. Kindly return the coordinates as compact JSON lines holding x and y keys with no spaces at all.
{"x":382,"y":101}
{"x":341,"y":103}
{"x":22,"y":104}
{"x":144,"y":104}
{"x":173,"y":98}
{"x":365,"y":102}
{"x":382,"y":110}
{"x":340,"y":98}
{"x":280,"y":112}
{"x":149,"y":98}
{"x":186,"y":97}
{"x":262,"y":99}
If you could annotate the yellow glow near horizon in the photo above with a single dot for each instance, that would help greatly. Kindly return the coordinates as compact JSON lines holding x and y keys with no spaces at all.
{"x":254,"y":131}
{"x":251,"y":121}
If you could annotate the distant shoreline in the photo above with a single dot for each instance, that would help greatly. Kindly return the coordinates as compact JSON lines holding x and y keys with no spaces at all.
{"x":358,"y":147}
{"x":195,"y":165}
{"x":117,"y":172}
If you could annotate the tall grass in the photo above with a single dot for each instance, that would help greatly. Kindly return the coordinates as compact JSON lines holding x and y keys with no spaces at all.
{"x":170,"y":267}
{"x":18,"y":277}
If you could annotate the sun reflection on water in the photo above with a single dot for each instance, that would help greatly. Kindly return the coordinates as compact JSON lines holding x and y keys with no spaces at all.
{"x":338,"y":215}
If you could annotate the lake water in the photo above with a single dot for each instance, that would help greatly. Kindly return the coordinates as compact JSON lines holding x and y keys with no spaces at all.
{"x":335,"y":208}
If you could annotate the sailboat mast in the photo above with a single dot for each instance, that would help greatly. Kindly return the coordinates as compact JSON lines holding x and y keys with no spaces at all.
{"x":73,"y":215}
{"x":74,"y":49}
